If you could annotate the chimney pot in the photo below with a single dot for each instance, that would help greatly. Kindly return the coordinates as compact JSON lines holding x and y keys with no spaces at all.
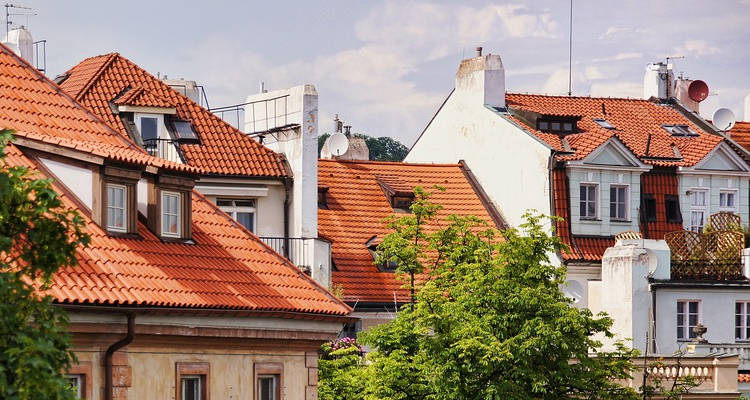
{"x":479,"y":51}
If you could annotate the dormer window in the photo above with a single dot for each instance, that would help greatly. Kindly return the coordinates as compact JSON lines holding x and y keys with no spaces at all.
{"x":171,"y":214}
{"x":680,"y":130}
{"x":323,"y":197}
{"x":117,"y":207}
{"x":372,"y":247}
{"x":557,"y":124}
{"x":400,"y":195}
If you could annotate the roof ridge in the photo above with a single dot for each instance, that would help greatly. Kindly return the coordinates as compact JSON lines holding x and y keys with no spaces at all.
{"x":43,"y":78}
{"x":110,"y":59}
{"x":579,"y":97}
{"x":417,"y":164}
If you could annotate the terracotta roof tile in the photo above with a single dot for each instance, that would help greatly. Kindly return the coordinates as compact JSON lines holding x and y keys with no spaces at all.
{"x":740,"y":133}
{"x":744,"y":378}
{"x":37,"y":109}
{"x":357,"y":207}
{"x":660,"y":185}
{"x":223,"y":150}
{"x":226,"y":268}
{"x":143,"y":98}
{"x":638,"y":124}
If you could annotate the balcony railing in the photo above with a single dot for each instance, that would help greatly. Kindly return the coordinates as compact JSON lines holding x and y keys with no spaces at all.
{"x":741,"y":349}
{"x":167,"y":149}
{"x":311,"y":255}
{"x":257,"y":116}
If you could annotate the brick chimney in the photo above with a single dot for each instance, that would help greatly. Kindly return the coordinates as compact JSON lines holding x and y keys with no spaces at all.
{"x":482,"y":79}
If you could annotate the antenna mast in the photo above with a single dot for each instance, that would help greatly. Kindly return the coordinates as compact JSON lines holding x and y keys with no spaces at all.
{"x":570,"y":53}
{"x":8,"y":6}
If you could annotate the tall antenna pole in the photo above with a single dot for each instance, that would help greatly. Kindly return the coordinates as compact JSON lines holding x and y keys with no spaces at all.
{"x":570,"y":53}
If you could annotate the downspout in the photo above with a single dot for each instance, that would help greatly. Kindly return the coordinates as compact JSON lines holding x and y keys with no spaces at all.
{"x":108,"y":389}
{"x":287,"y":188}
{"x":652,"y":289}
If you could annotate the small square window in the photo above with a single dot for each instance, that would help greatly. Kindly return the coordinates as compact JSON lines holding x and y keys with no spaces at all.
{"x":589,"y":201}
{"x":171,"y":214}
{"x":728,"y":200}
{"x":568,"y":127}
{"x":618,"y":203}
{"x":268,"y":387}
{"x":78,"y":383}
{"x":149,"y":128}
{"x":242,"y":210}
{"x":191,"y":387}
{"x":648,"y":210}
{"x":192,"y":380}
{"x":688,"y":317}
{"x":742,"y":320}
{"x":672,"y":208}
{"x":555,"y":126}
{"x":543,"y":125}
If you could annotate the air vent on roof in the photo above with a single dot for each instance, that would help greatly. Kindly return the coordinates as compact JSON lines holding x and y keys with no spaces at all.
{"x":680,"y":130}
{"x":603,"y":122}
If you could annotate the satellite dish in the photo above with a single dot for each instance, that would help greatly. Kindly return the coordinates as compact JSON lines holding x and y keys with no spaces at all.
{"x":338,"y":144}
{"x":723,"y":119}
{"x":698,"y":91}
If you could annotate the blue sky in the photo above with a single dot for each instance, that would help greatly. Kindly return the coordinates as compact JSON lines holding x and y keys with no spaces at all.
{"x":385,"y":66}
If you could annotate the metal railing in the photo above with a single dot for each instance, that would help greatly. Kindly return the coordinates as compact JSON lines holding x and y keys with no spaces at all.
{"x":167,"y":149}
{"x":300,"y":251}
{"x":264,"y":114}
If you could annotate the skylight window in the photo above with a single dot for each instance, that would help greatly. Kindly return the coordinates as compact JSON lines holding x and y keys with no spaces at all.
{"x":185,"y":132}
{"x":604,"y":123}
{"x":680,"y":130}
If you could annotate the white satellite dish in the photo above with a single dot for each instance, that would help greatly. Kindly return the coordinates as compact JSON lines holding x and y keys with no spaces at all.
{"x":723,"y":119}
{"x":338,"y":144}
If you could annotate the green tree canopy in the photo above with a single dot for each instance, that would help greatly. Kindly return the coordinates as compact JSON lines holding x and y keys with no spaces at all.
{"x":37,"y":237}
{"x":489,"y":320}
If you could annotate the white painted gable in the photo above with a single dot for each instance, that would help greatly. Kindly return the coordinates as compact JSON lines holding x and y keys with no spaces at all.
{"x":613,"y":153}
{"x":722,"y":158}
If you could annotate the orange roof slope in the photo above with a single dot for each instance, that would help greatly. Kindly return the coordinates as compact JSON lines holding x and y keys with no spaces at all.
{"x":638,"y":124}
{"x":357,"y":207}
{"x":224,"y":150}
{"x":226,"y":268}
{"x":740,"y":133}
{"x":37,"y":109}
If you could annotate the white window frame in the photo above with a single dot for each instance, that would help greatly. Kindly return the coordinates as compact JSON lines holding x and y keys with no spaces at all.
{"x":159,"y":123}
{"x":79,"y":385}
{"x":744,"y":320}
{"x":163,"y":213}
{"x":234,"y":209}
{"x":125,"y":204}
{"x":625,"y":186}
{"x":596,"y":201}
{"x":184,"y":378}
{"x":687,"y":330}
{"x":736,"y":193}
{"x":275,"y":390}
{"x":699,"y":208}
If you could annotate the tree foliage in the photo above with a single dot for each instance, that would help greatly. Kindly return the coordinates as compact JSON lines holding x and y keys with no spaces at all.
{"x":341,"y":372}
{"x":382,"y":148}
{"x":37,"y":237}
{"x":489,"y":320}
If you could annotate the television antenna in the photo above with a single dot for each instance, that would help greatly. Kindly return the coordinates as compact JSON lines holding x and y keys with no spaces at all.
{"x":570,"y":52}
{"x":8,"y":13}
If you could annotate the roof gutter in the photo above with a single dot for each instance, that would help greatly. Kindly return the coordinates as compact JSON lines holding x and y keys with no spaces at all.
{"x":108,"y":388}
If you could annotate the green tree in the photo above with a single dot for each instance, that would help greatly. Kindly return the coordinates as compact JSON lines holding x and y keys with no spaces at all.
{"x":489,"y":320}
{"x":38,"y":235}
{"x":341,"y":371}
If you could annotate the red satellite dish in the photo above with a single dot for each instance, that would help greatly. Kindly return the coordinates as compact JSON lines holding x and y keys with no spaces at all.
{"x":698,"y":91}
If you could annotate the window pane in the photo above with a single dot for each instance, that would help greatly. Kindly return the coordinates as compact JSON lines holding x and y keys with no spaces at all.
{"x":567,"y":127}
{"x":246,"y":219}
{"x":693,"y":307}
{"x":266,"y":388}
{"x":149,"y":128}
{"x":543,"y":125}
{"x":680,"y":307}
{"x":555,"y":126}
{"x":224,"y":202}
{"x":191,"y":388}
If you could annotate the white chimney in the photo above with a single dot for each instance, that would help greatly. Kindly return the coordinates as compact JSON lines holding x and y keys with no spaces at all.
{"x":20,"y":41}
{"x":657,"y":82}
{"x":482,"y":79}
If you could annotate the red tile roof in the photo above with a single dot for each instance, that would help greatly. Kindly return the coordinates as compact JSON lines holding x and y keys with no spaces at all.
{"x":224,"y":150}
{"x":227,"y":268}
{"x":580,"y":248}
{"x":37,"y":109}
{"x":638,"y":124}
{"x":143,"y":98}
{"x":744,"y":378}
{"x":357,"y":207}
{"x":659,"y":184}
{"x":740,"y":133}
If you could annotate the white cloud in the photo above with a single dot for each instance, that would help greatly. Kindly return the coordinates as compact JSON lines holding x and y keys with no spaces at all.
{"x":696,"y":47}
{"x":617,"y":89}
{"x":614,"y":32}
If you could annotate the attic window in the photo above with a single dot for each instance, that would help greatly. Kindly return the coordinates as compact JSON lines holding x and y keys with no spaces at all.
{"x":604,"y":123}
{"x":555,"y":124}
{"x":372,"y":247}
{"x":185,"y":132}
{"x":323,"y":197}
{"x":399,"y":194}
{"x":680,"y":130}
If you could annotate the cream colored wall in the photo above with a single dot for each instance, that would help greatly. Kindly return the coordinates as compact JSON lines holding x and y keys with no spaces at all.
{"x":231,"y":371}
